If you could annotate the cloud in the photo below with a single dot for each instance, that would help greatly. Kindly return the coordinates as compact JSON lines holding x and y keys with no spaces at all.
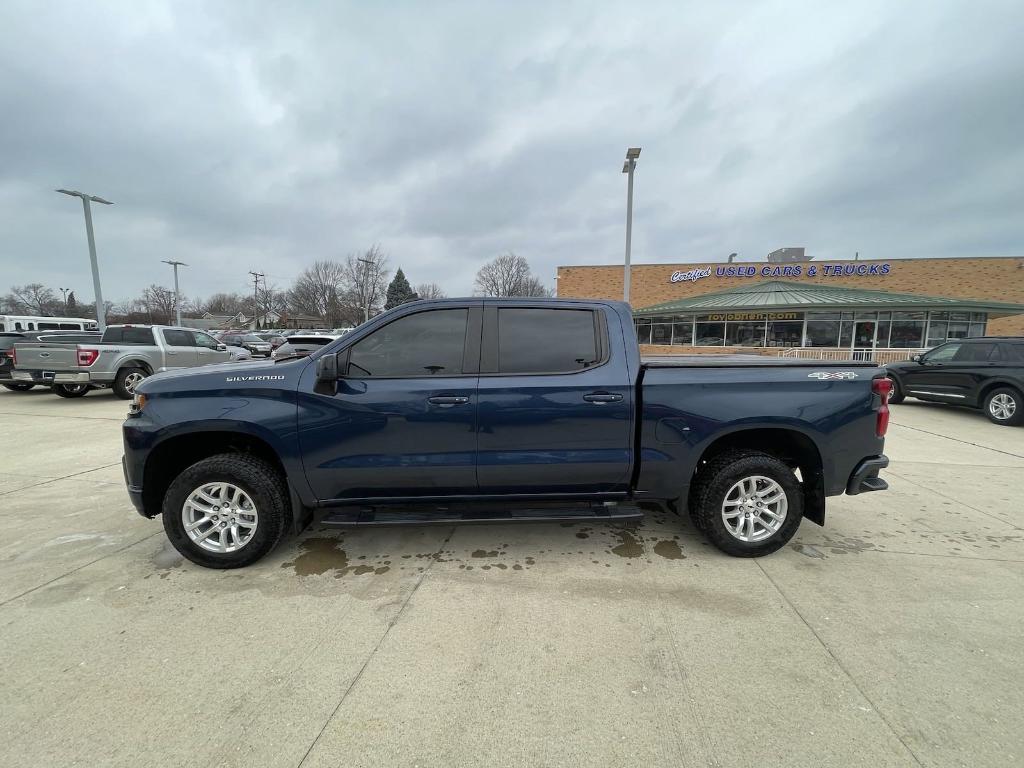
{"x":267,"y":135}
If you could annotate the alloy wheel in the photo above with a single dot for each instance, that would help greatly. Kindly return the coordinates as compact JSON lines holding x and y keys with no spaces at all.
{"x":754,"y":508}
{"x":219,"y":517}
{"x":1002,"y":406}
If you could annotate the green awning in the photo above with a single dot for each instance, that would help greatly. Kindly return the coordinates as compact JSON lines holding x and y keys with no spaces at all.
{"x":776,"y":295}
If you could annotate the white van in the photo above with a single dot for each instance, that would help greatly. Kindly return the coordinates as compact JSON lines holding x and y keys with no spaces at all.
{"x":35,"y":323}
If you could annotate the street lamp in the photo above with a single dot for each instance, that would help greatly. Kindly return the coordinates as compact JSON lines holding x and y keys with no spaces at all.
{"x":628,"y":167}
{"x":64,"y":293}
{"x":177,"y":295}
{"x":101,"y":309}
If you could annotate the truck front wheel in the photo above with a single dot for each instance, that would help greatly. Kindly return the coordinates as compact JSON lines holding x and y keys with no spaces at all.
{"x":748,"y":503}
{"x":226,"y":511}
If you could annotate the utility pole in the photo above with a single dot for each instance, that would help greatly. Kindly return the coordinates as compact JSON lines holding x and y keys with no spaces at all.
{"x":628,"y":167}
{"x":255,"y":295}
{"x":177,"y":294}
{"x":101,"y":308}
{"x":64,"y":291}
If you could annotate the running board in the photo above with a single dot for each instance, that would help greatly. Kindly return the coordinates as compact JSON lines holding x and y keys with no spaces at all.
{"x":431,"y":514}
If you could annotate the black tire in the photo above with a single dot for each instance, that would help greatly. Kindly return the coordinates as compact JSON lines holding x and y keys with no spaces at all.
{"x":19,"y":387}
{"x":259,"y":479}
{"x":704,"y":476}
{"x":897,"y":395}
{"x":127,"y":379}
{"x":71,"y":390}
{"x":720,"y":476}
{"x":1008,"y":403}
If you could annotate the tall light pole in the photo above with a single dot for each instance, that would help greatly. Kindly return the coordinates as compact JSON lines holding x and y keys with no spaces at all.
{"x":628,"y":167}
{"x":64,"y":292}
{"x":366,"y":287}
{"x":177,"y":294}
{"x":255,"y":298}
{"x":101,"y":309}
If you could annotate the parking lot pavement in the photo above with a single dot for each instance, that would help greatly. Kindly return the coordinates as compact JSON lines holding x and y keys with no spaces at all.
{"x":889,"y":637}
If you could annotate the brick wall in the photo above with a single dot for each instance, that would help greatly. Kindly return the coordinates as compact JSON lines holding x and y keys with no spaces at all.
{"x":999,"y":279}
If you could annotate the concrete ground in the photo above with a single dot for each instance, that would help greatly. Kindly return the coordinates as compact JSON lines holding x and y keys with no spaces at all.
{"x":894,"y":636}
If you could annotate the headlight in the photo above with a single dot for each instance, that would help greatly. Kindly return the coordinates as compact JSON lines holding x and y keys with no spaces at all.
{"x":137,"y":404}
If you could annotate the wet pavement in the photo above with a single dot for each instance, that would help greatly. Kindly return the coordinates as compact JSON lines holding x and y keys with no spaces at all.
{"x":892,"y":636}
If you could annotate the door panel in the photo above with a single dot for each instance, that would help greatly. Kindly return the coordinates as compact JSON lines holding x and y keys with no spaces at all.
{"x":395,"y":425}
{"x":179,"y":349}
{"x":556,"y":432}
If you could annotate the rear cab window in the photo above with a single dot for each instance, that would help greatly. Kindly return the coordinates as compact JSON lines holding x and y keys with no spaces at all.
{"x":129,"y":335}
{"x":539,"y":340}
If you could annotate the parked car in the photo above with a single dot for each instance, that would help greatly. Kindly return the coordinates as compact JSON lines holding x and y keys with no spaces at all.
{"x":7,"y":353}
{"x":250,"y":341}
{"x":275,"y":340}
{"x":124,"y":356}
{"x":985,"y":372}
{"x":432,"y":410}
{"x":300,"y":345}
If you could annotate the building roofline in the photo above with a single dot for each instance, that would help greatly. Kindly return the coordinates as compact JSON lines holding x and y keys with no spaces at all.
{"x":782,"y":264}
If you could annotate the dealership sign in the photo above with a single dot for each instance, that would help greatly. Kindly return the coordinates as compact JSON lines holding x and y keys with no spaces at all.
{"x":782,"y":270}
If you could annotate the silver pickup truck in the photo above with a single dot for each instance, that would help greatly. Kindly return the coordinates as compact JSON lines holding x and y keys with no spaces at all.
{"x":124,"y":356}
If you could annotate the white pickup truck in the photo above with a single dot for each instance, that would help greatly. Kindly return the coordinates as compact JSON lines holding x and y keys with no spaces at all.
{"x":125,"y":356}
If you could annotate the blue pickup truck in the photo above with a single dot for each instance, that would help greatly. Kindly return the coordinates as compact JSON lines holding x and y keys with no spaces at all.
{"x":499,"y":410}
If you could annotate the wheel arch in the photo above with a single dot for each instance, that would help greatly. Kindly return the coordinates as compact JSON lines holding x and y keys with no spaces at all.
{"x":795,"y":448}
{"x":999,"y":383}
{"x":168,"y":458}
{"x":134,"y":363}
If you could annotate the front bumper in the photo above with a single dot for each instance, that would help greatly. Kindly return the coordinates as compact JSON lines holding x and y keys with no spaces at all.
{"x":50,"y":377}
{"x":134,"y":491}
{"x":865,"y":477}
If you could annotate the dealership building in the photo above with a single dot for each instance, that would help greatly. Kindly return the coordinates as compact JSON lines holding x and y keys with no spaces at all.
{"x":881,"y":309}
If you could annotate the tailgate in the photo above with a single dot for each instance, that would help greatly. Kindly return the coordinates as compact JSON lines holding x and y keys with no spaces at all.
{"x":46,"y":357}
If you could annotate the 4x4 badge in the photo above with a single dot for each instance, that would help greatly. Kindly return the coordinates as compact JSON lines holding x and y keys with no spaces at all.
{"x":825,"y":375}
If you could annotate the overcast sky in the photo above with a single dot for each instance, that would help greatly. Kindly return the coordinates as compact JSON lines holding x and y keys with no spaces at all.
{"x":237,"y":136}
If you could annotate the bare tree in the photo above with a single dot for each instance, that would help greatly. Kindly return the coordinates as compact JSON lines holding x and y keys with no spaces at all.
{"x":508,"y":275}
{"x":32,"y":299}
{"x":270,"y":299}
{"x":367,"y":282}
{"x":159,"y":303}
{"x":318,"y":289}
{"x":223,"y":304}
{"x":430,"y":291}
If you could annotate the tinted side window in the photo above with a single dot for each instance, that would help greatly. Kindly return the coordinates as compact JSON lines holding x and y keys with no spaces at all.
{"x":546,"y":340}
{"x":942,"y":354}
{"x":178,"y":338}
{"x":974,"y":353}
{"x":423,"y":344}
{"x":49,"y":326}
{"x":138,"y":336}
{"x":1013,"y":353}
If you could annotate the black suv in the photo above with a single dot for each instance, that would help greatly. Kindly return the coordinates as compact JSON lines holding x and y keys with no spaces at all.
{"x":986,"y":373}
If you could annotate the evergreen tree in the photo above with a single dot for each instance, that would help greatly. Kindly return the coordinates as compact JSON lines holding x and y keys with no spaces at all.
{"x":72,"y":304}
{"x":399,"y":291}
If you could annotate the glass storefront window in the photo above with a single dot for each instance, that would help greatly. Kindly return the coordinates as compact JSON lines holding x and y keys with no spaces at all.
{"x":785,"y":333}
{"x":661,"y":333}
{"x":883,"y":333}
{"x":745,"y":334}
{"x":682,"y":333}
{"x":643,"y":331}
{"x":907,"y":330}
{"x":937,"y":330}
{"x":958,"y":330}
{"x":822,"y":333}
{"x":710,"y":335}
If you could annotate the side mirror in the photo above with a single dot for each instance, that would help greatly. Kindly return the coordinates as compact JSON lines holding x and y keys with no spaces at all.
{"x":222,"y":347}
{"x":327,"y":368}
{"x":917,"y":359}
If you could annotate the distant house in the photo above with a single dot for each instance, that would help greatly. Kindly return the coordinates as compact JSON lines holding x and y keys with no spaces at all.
{"x":213,"y":322}
{"x":288,"y":320}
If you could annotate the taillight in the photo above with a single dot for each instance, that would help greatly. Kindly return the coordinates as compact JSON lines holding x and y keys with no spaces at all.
{"x":13,"y":354}
{"x":87,"y":357}
{"x":883,"y":388}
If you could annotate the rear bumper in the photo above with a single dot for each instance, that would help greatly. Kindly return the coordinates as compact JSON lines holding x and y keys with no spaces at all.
{"x":50,"y":377}
{"x":865,"y":477}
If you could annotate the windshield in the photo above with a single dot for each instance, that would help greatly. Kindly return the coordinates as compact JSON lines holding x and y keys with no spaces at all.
{"x":251,"y":337}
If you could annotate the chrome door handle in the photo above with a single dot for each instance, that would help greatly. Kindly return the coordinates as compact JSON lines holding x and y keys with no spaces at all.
{"x":447,"y":400}
{"x":602,"y":397}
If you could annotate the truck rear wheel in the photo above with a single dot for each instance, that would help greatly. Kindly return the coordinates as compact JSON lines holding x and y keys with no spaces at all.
{"x":226,"y":511}
{"x":748,"y":503}
{"x":127,"y":380}
{"x":71,"y":390}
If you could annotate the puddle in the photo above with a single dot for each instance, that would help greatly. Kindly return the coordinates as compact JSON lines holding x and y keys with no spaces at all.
{"x":629,"y":546}
{"x":320,"y":555}
{"x":669,"y":549}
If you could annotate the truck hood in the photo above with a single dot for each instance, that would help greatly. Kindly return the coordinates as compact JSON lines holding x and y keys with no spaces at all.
{"x":222,"y":375}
